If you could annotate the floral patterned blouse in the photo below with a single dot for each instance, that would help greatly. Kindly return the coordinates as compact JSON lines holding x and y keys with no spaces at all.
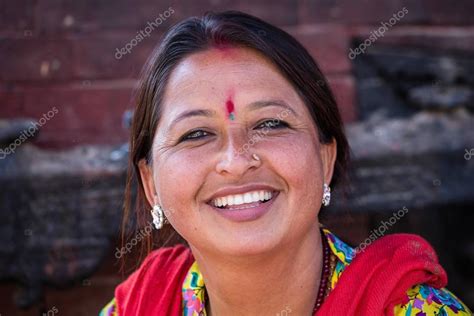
{"x":422,"y":300}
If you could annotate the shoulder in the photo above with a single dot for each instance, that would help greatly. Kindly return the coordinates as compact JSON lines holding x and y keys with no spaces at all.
{"x":161,"y":272}
{"x":426,"y":300}
{"x":164,"y":258}
{"x":419,"y":300}
{"x":161,"y":260}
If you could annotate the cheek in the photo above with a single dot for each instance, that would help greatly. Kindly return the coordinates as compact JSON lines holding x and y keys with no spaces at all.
{"x":178,"y":180}
{"x":298,"y":162}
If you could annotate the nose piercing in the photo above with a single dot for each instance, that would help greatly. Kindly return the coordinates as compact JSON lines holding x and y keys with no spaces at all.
{"x":255,"y":157}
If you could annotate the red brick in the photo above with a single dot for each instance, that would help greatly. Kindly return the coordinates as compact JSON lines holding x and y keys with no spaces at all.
{"x":35,"y":59}
{"x":328,"y":44}
{"x":79,"y":57}
{"x":427,"y":37}
{"x":356,"y":12}
{"x":85,"y":17}
{"x":90,"y":113}
{"x":11,"y":102}
{"x":375,"y":12}
{"x":343,"y":88}
{"x":280,"y":13}
{"x":95,"y":57}
{"x":445,"y":12}
{"x":55,"y":17}
{"x":17,"y":16}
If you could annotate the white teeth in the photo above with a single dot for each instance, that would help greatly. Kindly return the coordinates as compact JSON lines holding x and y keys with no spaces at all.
{"x":255,"y":196}
{"x":237,"y":199}
{"x":247,"y":198}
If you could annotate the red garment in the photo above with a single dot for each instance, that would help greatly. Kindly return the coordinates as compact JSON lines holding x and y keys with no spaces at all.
{"x":378,"y":278}
{"x":375,"y":281}
{"x":155,"y":288}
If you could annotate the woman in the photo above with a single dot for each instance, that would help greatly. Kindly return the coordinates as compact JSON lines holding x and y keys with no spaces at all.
{"x":236,"y":142}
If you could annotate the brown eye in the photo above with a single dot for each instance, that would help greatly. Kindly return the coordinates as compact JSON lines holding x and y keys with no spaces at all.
{"x":274,"y":124}
{"x":194,"y":135}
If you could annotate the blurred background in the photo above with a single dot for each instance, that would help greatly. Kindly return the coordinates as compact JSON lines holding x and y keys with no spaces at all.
{"x":402,"y":73}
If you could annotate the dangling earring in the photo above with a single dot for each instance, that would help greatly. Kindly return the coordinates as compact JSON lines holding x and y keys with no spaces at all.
{"x":326,"y":195}
{"x":158,"y":217}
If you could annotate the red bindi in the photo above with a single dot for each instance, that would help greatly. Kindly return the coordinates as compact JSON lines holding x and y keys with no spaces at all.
{"x":230,"y":109}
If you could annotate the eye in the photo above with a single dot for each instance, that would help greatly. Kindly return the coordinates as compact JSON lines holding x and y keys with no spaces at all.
{"x":273,"y":124}
{"x":194,"y":135}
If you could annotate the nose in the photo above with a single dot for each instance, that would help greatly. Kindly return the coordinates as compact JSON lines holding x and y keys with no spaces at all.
{"x":235,"y":158}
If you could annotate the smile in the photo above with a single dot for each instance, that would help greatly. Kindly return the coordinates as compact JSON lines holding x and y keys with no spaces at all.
{"x":242,"y":199}
{"x":244,"y":207}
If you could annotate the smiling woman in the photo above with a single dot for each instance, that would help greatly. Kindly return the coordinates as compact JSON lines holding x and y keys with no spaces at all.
{"x":236,"y":142}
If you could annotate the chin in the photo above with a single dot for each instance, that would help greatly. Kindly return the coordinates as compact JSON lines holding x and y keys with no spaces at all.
{"x":249,"y":241}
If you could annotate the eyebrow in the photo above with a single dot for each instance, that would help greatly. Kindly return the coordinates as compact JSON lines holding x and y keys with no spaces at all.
{"x":276,"y":102}
{"x":191,"y":113}
{"x":252,"y":107}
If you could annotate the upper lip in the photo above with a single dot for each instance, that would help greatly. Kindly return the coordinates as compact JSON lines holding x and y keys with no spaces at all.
{"x":240,"y":190}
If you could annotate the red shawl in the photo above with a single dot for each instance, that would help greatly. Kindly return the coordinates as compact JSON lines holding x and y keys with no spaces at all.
{"x":378,"y":278}
{"x":155,"y":288}
{"x":375,"y":281}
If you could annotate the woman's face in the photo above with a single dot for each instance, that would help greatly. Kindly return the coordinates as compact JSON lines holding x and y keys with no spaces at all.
{"x":202,"y":155}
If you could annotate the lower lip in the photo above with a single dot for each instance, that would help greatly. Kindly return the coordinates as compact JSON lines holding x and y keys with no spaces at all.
{"x":247,"y":214}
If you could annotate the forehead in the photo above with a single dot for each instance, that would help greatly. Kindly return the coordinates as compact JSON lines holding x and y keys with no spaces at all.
{"x":215,"y":73}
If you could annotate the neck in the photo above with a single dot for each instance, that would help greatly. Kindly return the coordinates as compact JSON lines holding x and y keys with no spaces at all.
{"x":286,"y":280}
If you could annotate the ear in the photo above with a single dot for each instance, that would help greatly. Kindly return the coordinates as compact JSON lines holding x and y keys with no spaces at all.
{"x":146,"y":174}
{"x":328,"y":157}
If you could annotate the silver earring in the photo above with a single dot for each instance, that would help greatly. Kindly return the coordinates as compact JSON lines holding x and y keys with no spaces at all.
{"x":158,"y":216}
{"x":255,"y":157}
{"x":326,"y":195}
